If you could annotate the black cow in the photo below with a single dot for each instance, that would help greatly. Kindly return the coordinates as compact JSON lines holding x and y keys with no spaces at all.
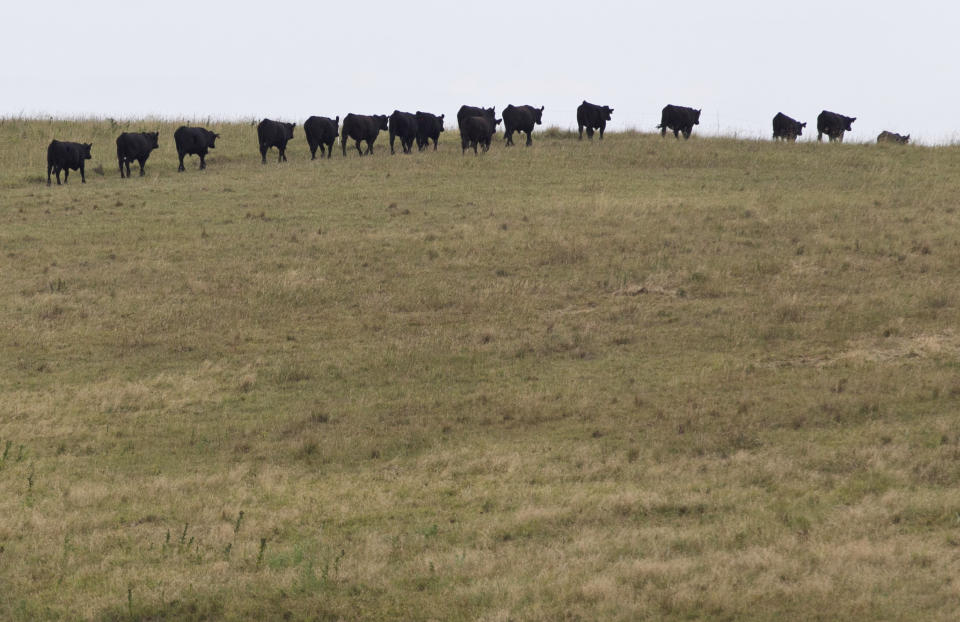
{"x":592,"y":117}
{"x":892,"y":137}
{"x":362,"y":128}
{"x":194,"y":141}
{"x":833,"y":125}
{"x":63,"y":156}
{"x":679,"y":119}
{"x":429,"y":127}
{"x":477,"y":131}
{"x":466,"y":112}
{"x":520,"y":119}
{"x":135,"y":146}
{"x":404,"y":125}
{"x":787,"y":128}
{"x":321,"y":131}
{"x":274,"y":134}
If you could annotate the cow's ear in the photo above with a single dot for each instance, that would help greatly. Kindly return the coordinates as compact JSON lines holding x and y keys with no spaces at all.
{"x":337,"y":120}
{"x":541,"y":108}
{"x":803,"y":125}
{"x":441,"y":117}
{"x":852,"y":119}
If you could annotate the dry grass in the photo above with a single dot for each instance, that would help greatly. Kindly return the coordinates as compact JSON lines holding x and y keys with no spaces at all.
{"x":637,"y":379}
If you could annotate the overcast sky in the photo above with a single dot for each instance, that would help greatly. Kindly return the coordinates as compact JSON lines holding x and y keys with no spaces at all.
{"x":893,"y":65}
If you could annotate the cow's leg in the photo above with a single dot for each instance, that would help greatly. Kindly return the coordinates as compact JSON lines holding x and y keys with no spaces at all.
{"x":370,"y":147}
{"x":676,"y":134}
{"x":392,"y":137}
{"x":283,"y":153}
{"x":529,"y":138}
{"x":263,"y":153}
{"x":83,"y":177}
{"x":203,"y":162}
{"x":343,"y":144}
{"x":127,"y":164}
{"x":840,"y":137}
{"x":143,"y":162}
{"x":580,"y":129}
{"x":589,"y":133}
{"x":602,"y":127}
{"x":313,"y":151}
{"x":686,"y":133}
{"x":66,"y":173}
{"x":663,"y":131}
{"x":508,"y":137}
{"x":120,"y":164}
{"x":49,"y":168}
{"x":329,"y":150}
{"x":359,"y":149}
{"x":56,"y":171}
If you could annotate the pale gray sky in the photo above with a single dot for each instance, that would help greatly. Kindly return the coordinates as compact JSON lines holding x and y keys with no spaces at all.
{"x":893,"y":65}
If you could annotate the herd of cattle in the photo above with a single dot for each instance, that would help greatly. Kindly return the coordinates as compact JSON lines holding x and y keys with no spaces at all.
{"x":477,"y":128}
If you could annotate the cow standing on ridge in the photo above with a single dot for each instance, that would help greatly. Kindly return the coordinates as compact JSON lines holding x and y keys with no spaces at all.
{"x":404,"y":125}
{"x":592,"y":117}
{"x":274,"y":134}
{"x":135,"y":146}
{"x":320,"y":132}
{"x":362,"y":128}
{"x":429,"y":127}
{"x":833,"y":125}
{"x":63,"y":156}
{"x":679,"y":119}
{"x":520,"y":119}
{"x":194,"y":141}
{"x":477,"y":131}
{"x":786,"y":128}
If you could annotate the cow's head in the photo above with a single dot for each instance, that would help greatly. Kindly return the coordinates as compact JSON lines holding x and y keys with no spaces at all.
{"x":849,"y":121}
{"x":440,"y":123}
{"x":85,"y":152}
{"x":538,"y":115}
{"x":497,"y":122}
{"x":289,"y":129}
{"x":606,"y":111}
{"x":212,"y":138}
{"x":336,"y":126}
{"x":490,"y":113}
{"x":381,"y":121}
{"x":696,"y":118}
{"x":152,"y":138}
{"x":905,"y":139}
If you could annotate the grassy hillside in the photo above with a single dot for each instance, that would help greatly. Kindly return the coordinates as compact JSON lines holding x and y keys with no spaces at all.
{"x":636,"y":379}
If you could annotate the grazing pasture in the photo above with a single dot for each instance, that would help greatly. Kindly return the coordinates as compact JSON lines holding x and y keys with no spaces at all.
{"x":619,"y":380}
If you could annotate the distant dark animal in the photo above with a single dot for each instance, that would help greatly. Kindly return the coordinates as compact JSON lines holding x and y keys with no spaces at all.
{"x":362,"y":128}
{"x":320,"y":132}
{"x":63,"y":156}
{"x":135,"y":146}
{"x":592,"y":117}
{"x":429,"y":127}
{"x":404,"y":126}
{"x":679,"y":119}
{"x":892,"y":137}
{"x":520,"y":119}
{"x":786,"y":128}
{"x":476,"y":131}
{"x":194,"y":141}
{"x":274,"y":134}
{"x":466,"y":112}
{"x":833,"y":125}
